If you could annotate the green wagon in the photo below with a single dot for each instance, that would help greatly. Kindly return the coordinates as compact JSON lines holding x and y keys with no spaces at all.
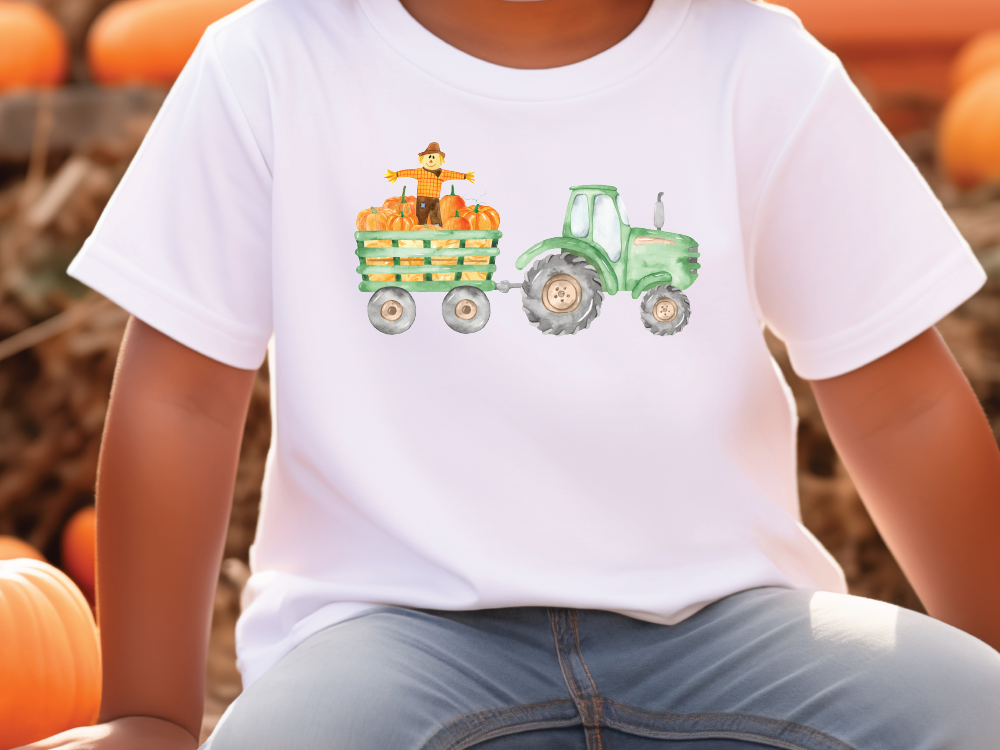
{"x":391,"y":309}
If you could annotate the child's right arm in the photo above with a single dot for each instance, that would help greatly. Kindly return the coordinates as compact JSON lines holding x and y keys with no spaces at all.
{"x":165,"y":483}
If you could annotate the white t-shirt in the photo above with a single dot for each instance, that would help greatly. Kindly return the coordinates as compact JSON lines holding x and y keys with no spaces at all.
{"x":611,"y":469}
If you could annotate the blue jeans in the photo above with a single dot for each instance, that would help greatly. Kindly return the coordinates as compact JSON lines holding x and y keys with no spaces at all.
{"x":765,"y":668}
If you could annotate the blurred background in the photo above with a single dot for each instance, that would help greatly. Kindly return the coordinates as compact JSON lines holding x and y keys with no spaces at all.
{"x":80,"y":82}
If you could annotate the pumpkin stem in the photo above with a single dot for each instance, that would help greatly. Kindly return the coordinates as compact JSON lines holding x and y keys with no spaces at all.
{"x":403,"y":196}
{"x":373,"y":210}
{"x":476,"y":209}
{"x":456,"y":214}
{"x":452,"y":189}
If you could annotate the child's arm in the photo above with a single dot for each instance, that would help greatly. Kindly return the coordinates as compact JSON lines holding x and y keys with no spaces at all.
{"x":914,"y":439}
{"x":165,"y":483}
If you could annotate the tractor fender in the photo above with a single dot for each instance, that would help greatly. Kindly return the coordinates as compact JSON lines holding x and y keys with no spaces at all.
{"x":648,"y":282}
{"x":609,"y":280}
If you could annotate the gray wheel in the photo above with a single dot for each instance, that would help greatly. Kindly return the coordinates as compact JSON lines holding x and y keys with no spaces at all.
{"x":466,"y":309}
{"x":561,"y":294}
{"x":665,"y":310}
{"x":392,"y":310}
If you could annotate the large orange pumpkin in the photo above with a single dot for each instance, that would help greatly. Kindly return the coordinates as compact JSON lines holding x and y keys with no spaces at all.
{"x":33,"y":48}
{"x":149,"y":41}
{"x":79,"y":549}
{"x":481,"y":217}
{"x":12,"y":548}
{"x":449,"y":204}
{"x":969,"y":133}
{"x":50,"y":658}
{"x":979,"y":55}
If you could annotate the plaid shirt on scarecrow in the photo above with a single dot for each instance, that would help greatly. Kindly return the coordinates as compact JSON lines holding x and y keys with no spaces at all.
{"x":429,"y":183}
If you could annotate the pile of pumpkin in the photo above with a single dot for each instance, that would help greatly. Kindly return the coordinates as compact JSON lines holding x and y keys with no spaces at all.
{"x":50,"y":658}
{"x":969,"y":133}
{"x":399,"y":214}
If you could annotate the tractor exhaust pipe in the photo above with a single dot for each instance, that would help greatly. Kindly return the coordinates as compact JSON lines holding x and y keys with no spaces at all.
{"x":658,"y":212}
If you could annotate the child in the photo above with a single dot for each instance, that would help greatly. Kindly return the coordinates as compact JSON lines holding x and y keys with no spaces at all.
{"x":512,"y":540}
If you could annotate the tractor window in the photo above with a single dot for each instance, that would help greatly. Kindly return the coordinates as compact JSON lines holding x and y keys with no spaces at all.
{"x":607,"y":228}
{"x":622,"y":212}
{"x":579,"y":218}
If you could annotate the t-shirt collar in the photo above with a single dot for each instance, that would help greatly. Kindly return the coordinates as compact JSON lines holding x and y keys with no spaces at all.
{"x":450,"y":65}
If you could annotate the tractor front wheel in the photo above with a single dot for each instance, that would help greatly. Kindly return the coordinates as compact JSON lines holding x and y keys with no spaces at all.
{"x":665,"y":310}
{"x":466,"y":309}
{"x":561,"y":294}
{"x":392,"y":310}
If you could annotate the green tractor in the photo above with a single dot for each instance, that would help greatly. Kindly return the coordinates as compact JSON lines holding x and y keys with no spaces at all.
{"x":600,"y":252}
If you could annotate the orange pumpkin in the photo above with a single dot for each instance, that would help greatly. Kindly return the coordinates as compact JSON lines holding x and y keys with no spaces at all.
{"x":403,"y":202}
{"x":402,"y":222}
{"x":481,"y":217}
{"x":79,"y":549}
{"x":149,"y":41}
{"x":449,"y":205}
{"x":12,"y":548}
{"x":49,"y":654}
{"x":968,"y":144}
{"x":33,"y":47}
{"x":363,"y":217}
{"x":456,"y":222}
{"x":980,"y":54}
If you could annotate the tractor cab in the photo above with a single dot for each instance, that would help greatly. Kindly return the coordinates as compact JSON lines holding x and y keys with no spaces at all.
{"x":596,"y":213}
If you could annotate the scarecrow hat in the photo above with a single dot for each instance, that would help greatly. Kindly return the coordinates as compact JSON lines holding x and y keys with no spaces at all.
{"x":432,"y":148}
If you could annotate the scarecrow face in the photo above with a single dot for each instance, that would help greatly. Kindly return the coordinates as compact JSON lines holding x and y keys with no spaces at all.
{"x":433,"y":160}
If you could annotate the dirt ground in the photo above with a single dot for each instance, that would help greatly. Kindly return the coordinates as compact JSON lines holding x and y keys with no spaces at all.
{"x":58,"y":344}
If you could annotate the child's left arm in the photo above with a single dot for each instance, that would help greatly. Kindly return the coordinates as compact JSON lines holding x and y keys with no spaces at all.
{"x":917,"y":444}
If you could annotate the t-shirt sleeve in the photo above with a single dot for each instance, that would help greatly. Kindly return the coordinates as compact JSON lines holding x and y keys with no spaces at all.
{"x":184,"y":243}
{"x":852,"y":254}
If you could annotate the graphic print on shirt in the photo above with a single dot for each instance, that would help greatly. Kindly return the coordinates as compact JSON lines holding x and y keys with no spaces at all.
{"x":598,"y":252}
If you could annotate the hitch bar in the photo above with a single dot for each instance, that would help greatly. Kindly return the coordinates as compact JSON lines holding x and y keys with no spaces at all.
{"x":505,"y":286}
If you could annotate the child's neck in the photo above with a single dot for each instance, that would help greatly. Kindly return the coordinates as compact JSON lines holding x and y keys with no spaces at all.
{"x":530,"y":34}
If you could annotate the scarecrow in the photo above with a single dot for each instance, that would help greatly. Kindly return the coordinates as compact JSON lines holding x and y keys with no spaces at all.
{"x":430,"y":177}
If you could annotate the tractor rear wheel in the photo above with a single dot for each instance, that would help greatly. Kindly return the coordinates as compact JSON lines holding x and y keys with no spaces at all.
{"x":392,"y":310}
{"x":665,"y":310}
{"x":561,"y":294}
{"x":466,"y":309}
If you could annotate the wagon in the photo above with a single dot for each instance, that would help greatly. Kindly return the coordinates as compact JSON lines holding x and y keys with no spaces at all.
{"x":428,"y":261}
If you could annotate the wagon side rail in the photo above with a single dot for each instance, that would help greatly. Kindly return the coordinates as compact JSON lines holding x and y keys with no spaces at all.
{"x":431,"y":256}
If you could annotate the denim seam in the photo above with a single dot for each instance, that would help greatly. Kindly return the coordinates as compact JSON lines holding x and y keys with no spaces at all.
{"x":595,"y":710}
{"x":479,"y":726}
{"x":749,"y":727}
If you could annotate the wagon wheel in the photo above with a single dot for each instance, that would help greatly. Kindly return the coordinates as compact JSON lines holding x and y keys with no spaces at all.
{"x":665,"y":310}
{"x":392,"y":310}
{"x":561,"y":294}
{"x":466,"y":309}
